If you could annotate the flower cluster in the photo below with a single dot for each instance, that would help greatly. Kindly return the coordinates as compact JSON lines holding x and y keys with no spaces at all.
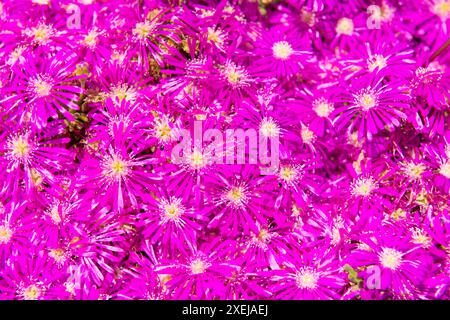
{"x":95,"y":95}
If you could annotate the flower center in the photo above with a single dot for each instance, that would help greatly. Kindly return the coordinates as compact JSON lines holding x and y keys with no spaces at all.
{"x":420,"y":237}
{"x":90,"y":40}
{"x":59,"y":255}
{"x":414,"y":171}
{"x":237,"y":196}
{"x":376,"y":61}
{"x":308,"y":17}
{"x":32,"y":292}
{"x":162,"y":130}
{"x":42,"y":33}
{"x":42,"y":86}
{"x":345,"y":26}
{"x":308,"y":136}
{"x":199,"y":266}
{"x":215,"y":36}
{"x":123,"y":92}
{"x":288,"y":174}
{"x":5,"y":234}
{"x":366,"y":99}
{"x":236,"y":76}
{"x":20,"y":148}
{"x":15,"y":55}
{"x":322,"y":107}
{"x":269,"y":128}
{"x":197,"y":159}
{"x":442,"y":9}
{"x":171,"y":209}
{"x":116,"y":168}
{"x":363,"y":187}
{"x":53,"y":213}
{"x":142,"y":30}
{"x":445,"y":169}
{"x":390,"y":258}
{"x":282,"y":50}
{"x":307,"y":278}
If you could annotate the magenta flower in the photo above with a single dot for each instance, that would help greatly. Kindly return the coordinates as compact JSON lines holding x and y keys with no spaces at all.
{"x":308,"y":277}
{"x":372,"y":106}
{"x":43,"y":89}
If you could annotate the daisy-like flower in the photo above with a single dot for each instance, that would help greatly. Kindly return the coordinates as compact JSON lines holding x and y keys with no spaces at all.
{"x":235,"y":82}
{"x":398,"y":259}
{"x":31,"y":277}
{"x":200,"y":275}
{"x":119,"y":174}
{"x":308,"y":277}
{"x":43,"y":89}
{"x":279,"y":55}
{"x":141,"y":280}
{"x":170,"y":224}
{"x":149,"y":36}
{"x":32,"y":158}
{"x":372,"y":106}
{"x":234,"y":199}
{"x":439,"y":160}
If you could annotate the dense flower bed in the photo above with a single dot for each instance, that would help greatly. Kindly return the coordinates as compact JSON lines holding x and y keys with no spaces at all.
{"x":95,"y":96}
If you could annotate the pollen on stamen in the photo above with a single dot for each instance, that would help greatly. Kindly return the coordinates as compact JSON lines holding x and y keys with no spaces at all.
{"x":41,"y":34}
{"x":376,"y":61}
{"x":307,"y":278}
{"x":445,"y":169}
{"x":322,"y":107}
{"x":366,"y":99}
{"x":269,"y":128}
{"x":386,"y":14}
{"x":199,"y":265}
{"x":261,"y":239}
{"x":345,"y":26}
{"x":236,"y":196}
{"x":197,"y":160}
{"x":308,"y":17}
{"x":143,"y":29}
{"x":420,"y":237}
{"x":58,"y":255}
{"x":91,"y":39}
{"x":115,"y":168}
{"x":162,"y":129}
{"x":236,"y":76}
{"x":171,"y":209}
{"x":363,"y":187}
{"x":6,"y":234}
{"x":56,"y":212}
{"x":32,"y":292}
{"x":123,"y":92}
{"x":412,"y":170}
{"x":41,"y":85}
{"x":15,"y":55}
{"x":217,"y":37}
{"x":441,"y":8}
{"x":20,"y":148}
{"x":390,"y":258}
{"x":282,"y":50}
{"x":308,"y":136}
{"x":289,"y":174}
